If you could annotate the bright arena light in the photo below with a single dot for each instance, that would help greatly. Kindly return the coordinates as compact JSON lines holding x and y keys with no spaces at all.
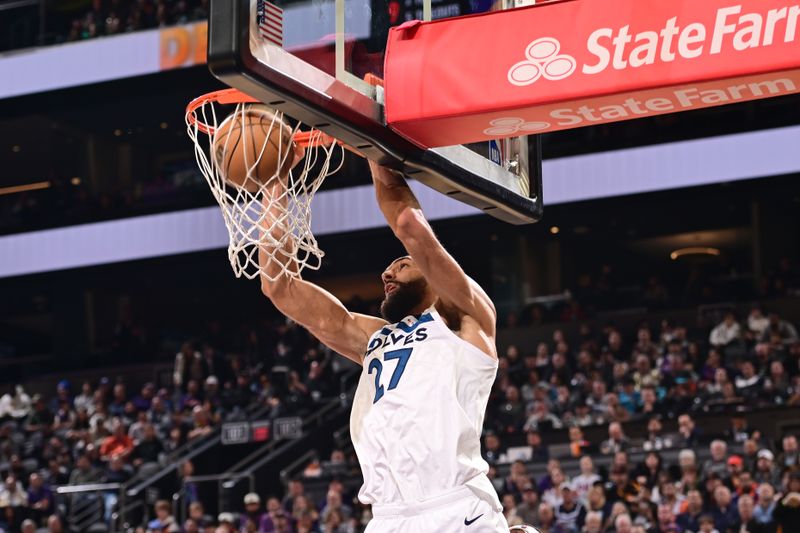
{"x":693,"y":250}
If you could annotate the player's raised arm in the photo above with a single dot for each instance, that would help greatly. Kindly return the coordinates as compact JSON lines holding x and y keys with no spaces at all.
{"x":311,"y":306}
{"x":443,"y":273}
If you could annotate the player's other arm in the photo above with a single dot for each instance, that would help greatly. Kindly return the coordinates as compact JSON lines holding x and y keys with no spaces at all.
{"x":311,"y":306}
{"x":448,"y":280}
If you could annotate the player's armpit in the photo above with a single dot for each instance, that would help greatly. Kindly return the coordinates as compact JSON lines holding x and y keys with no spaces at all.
{"x":323,"y":315}
{"x":445,"y":275}
{"x":448,"y":280}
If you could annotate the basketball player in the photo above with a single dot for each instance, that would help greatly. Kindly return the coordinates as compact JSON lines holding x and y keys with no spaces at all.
{"x":428,"y":367}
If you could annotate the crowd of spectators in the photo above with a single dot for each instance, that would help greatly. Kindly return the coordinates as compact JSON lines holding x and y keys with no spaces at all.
{"x":602,"y":287}
{"x":726,"y":493}
{"x":107,"y":431}
{"x":659,"y":371}
{"x":655,"y":373}
{"x":58,"y":22}
{"x":651,"y":375}
{"x":111,"y":17}
{"x":66,"y":204}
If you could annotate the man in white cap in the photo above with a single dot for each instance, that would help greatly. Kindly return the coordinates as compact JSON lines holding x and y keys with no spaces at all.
{"x":227,"y":523}
{"x":765,"y":468}
{"x":252,"y":509}
{"x":570,"y":514}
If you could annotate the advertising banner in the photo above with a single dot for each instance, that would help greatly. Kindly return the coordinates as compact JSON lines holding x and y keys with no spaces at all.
{"x":577,"y":63}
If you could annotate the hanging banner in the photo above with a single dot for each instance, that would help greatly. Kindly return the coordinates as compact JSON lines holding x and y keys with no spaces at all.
{"x":578,"y":63}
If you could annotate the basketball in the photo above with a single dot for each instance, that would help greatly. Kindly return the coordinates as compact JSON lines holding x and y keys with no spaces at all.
{"x":252,"y":146}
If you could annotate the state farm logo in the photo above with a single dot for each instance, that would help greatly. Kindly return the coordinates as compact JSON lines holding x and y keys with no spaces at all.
{"x":542,"y":60}
{"x":512,"y":125}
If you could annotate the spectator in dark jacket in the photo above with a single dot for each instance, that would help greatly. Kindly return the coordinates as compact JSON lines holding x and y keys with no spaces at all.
{"x":724,"y":512}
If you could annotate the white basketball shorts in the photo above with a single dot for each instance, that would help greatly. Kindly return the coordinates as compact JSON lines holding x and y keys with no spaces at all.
{"x":457,"y":511}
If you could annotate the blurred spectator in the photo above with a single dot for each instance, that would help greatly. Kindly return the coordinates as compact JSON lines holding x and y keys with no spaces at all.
{"x":17,"y":405}
{"x":616,"y":442}
{"x":620,"y":488}
{"x":665,"y":519}
{"x":84,"y":473}
{"x":578,"y":444}
{"x":227,"y":523}
{"x":510,"y":416}
{"x":779,"y":333}
{"x":85,"y":399}
{"x":202,"y":423}
{"x":149,"y":448}
{"x":295,"y":490}
{"x":725,"y":514}
{"x":727,"y":332}
{"x":593,"y":523}
{"x":197,"y":514}
{"x":757,"y":323}
{"x":115,"y":472}
{"x":706,"y":524}
{"x":787,"y":510}
{"x":763,"y":513}
{"x":13,"y":502}
{"x":333,"y":504}
{"x":748,"y":383}
{"x":118,"y":444}
{"x":718,"y":462}
{"x":596,"y":502}
{"x":553,"y":494}
{"x":583,"y":482}
{"x":54,"y":524}
{"x":528,"y":509}
{"x":546,"y":519}
{"x":765,"y":468}
{"x":40,"y":498}
{"x":491,"y":448}
{"x":190,"y":526}
{"x":164,"y":521}
{"x":253,"y":511}
{"x":739,"y":430}
{"x":187,"y":365}
{"x":789,"y":458}
{"x":689,"y":520}
{"x":40,"y":418}
{"x":747,"y":522}
{"x":622,"y":523}
{"x":570,"y":514}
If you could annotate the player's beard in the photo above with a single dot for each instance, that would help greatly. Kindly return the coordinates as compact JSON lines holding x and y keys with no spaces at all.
{"x":399,"y":304}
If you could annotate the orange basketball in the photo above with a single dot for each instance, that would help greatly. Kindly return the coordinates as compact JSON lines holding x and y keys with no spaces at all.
{"x":254,"y":141}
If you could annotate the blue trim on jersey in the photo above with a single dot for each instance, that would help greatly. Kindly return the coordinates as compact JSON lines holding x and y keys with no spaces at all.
{"x":408,"y":329}
{"x":402,"y":326}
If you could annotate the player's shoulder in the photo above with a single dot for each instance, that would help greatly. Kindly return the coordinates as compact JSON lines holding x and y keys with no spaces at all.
{"x":369,"y":324}
{"x":468,"y":328}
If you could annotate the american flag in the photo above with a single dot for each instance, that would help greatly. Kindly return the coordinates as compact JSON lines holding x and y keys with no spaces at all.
{"x":270,"y":22}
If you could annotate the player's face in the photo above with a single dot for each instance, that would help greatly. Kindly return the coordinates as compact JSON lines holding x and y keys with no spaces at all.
{"x":403,"y":287}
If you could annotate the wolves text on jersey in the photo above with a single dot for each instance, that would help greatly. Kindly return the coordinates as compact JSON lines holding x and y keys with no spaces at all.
{"x":402,"y":334}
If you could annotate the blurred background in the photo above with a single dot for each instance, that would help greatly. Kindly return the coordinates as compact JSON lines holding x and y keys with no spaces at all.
{"x":647,"y":323}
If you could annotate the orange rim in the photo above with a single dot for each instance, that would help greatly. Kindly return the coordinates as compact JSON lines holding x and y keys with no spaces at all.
{"x":235,"y":96}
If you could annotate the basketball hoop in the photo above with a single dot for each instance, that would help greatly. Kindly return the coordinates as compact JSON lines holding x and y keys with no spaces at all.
{"x":271,"y":215}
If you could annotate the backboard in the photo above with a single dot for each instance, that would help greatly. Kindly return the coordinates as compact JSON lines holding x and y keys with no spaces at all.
{"x":321,"y":62}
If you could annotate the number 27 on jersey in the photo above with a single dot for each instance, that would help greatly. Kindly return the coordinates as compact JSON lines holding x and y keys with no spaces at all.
{"x":402,"y":356}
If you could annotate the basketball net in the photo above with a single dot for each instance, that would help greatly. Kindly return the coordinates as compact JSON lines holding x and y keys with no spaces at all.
{"x":273,"y":215}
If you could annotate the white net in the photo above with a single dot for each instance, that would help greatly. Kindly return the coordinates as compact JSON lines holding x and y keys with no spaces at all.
{"x":264,"y":183}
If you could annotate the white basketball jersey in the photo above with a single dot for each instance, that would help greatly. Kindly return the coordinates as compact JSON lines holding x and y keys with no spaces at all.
{"x":418,"y":412}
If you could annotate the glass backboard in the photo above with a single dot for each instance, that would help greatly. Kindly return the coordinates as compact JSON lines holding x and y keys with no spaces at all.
{"x":321,"y":62}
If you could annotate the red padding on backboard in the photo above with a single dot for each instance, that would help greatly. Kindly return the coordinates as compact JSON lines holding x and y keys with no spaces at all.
{"x":578,"y":63}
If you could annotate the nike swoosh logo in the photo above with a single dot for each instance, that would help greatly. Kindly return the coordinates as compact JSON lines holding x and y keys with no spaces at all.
{"x":469,"y":522}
